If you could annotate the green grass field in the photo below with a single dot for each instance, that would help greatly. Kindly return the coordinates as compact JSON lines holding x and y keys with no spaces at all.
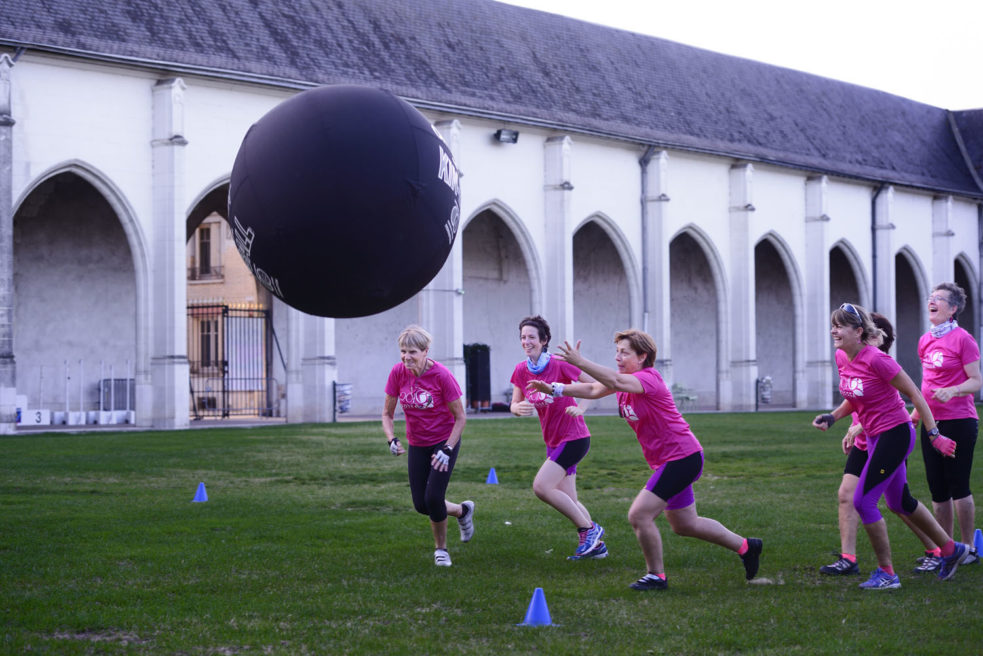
{"x":308,"y":544}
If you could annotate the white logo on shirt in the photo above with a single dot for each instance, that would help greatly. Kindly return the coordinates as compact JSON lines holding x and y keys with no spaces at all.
{"x":538,"y":399}
{"x":420,"y":399}
{"x":628,"y":413}
{"x":937,"y":358}
{"x":857,"y":386}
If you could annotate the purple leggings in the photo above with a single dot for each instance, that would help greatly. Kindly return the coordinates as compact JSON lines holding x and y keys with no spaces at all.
{"x":886,"y":474}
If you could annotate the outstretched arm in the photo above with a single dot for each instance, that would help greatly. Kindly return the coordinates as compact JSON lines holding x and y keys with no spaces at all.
{"x":609,"y":378}
{"x":576,"y":390}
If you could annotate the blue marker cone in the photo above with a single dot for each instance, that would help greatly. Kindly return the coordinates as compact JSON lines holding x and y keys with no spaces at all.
{"x":978,"y":541}
{"x":538,"y":614}
{"x":200,"y":496}
{"x":492,"y":477}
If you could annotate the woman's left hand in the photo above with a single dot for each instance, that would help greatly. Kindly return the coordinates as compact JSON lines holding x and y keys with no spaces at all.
{"x":944,"y":394}
{"x":570,"y":353}
{"x":440,"y":460}
{"x":540,"y":386}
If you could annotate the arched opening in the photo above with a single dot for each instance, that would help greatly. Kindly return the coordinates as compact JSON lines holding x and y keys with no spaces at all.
{"x":968,"y":316}
{"x":694,"y":323}
{"x":72,"y":258}
{"x":775,"y":320}
{"x":497,"y":295}
{"x":235,"y":367}
{"x":601,"y":297}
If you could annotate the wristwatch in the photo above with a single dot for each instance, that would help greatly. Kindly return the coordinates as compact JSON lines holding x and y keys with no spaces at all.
{"x":932,"y":434}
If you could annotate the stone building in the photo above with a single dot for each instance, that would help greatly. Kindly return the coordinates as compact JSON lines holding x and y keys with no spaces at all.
{"x":609,"y":180}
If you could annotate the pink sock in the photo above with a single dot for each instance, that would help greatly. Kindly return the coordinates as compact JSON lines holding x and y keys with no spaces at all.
{"x":948,"y":548}
{"x":743,"y":549}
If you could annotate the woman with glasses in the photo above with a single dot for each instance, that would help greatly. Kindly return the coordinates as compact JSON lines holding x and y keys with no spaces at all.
{"x":870,"y":382}
{"x":855,"y":447}
{"x":950,"y":360}
{"x":564,"y":431}
{"x":669,"y":446}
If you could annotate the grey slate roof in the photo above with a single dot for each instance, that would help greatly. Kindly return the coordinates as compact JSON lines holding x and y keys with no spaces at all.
{"x":484,"y":58}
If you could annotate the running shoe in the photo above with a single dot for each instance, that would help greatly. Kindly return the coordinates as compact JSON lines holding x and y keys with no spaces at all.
{"x":881,"y":580}
{"x":649,"y":582}
{"x":598,"y":552}
{"x":950,"y":563}
{"x":928,"y":563}
{"x":841,"y":567}
{"x":441,"y":558}
{"x":752,"y":557}
{"x":466,"y":521}
{"x":972,"y":558}
{"x":589,"y":539}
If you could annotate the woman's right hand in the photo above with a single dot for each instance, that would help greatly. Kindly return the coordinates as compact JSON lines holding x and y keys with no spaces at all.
{"x":523,"y":408}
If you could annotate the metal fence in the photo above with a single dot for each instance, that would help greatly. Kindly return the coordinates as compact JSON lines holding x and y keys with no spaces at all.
{"x":230,"y":352}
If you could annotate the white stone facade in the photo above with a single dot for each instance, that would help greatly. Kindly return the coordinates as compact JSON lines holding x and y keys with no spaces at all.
{"x":732,"y":266}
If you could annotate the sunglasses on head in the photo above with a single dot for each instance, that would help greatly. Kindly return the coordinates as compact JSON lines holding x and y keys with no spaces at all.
{"x":849,"y":309}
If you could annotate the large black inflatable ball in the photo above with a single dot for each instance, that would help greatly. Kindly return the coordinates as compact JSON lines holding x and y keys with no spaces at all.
{"x":344,"y":201}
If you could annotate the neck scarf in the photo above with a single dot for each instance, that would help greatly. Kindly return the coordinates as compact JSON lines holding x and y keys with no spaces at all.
{"x":538,"y":366}
{"x":943,"y":329}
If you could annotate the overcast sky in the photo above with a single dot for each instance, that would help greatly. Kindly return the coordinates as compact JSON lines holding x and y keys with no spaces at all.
{"x":927,"y":51}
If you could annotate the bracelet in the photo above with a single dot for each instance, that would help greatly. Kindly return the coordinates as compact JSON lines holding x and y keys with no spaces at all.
{"x":557,"y":389}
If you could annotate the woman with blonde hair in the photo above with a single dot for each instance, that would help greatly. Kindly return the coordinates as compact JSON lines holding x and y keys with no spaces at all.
{"x":431,"y":400}
{"x":870,"y":382}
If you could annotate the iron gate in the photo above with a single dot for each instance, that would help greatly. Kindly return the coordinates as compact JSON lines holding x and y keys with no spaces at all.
{"x":230,"y":351}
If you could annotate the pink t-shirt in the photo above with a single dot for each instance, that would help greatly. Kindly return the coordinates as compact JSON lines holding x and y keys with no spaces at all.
{"x":943,"y":360}
{"x":660,"y":429}
{"x":558,"y":427}
{"x":425,"y":401}
{"x":866,"y":384}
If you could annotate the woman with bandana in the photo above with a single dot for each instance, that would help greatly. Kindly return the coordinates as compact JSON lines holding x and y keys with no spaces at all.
{"x":564,"y":431}
{"x":870,"y":382}
{"x":951,"y":378}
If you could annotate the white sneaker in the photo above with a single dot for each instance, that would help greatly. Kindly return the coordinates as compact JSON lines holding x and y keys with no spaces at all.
{"x":466,"y":521}
{"x":441,"y":558}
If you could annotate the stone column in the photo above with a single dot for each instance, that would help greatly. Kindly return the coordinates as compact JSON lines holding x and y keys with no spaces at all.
{"x":169,"y":356}
{"x":743,"y":349}
{"x":943,"y":267}
{"x":883,"y":235}
{"x":320,"y":368}
{"x":442,"y":300}
{"x":294,"y":373}
{"x":8,"y":370}
{"x":558,"y":245}
{"x":655,"y":261}
{"x":818,"y":347}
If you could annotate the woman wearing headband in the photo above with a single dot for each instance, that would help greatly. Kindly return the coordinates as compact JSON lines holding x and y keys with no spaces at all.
{"x":870,"y":382}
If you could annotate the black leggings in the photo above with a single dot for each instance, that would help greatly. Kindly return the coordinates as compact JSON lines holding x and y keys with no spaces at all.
{"x":948,"y":478}
{"x":427,"y":485}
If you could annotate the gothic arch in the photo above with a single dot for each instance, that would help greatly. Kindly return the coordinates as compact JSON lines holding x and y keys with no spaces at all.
{"x":135,"y":237}
{"x":628,"y":261}
{"x":526,"y":245}
{"x":856,"y":265}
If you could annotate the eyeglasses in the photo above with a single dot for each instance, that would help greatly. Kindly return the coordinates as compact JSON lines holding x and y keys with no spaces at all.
{"x":935,"y":298}
{"x":849,"y":309}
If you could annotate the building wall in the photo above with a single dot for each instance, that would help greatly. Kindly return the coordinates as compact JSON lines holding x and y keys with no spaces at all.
{"x":517,"y":226}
